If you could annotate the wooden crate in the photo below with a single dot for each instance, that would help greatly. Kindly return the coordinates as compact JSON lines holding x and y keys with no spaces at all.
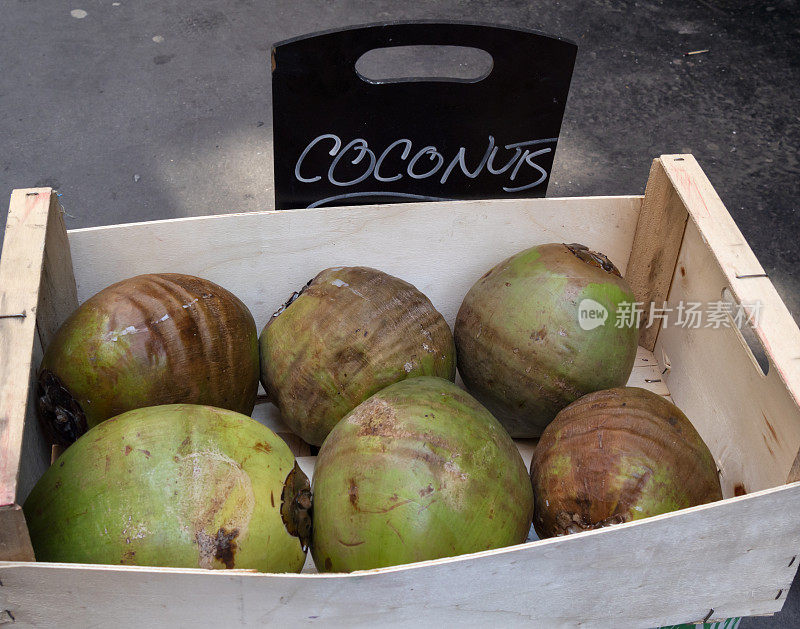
{"x":677,"y":242}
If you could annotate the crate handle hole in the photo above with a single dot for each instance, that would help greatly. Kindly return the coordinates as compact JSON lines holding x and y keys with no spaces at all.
{"x":742,"y":318}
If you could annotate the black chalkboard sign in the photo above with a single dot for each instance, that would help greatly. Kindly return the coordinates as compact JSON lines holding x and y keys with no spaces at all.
{"x":340,"y":139}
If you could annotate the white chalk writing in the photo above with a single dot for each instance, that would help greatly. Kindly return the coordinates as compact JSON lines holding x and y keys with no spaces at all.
{"x":425,"y":163}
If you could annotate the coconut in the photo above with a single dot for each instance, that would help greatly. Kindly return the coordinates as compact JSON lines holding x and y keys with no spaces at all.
{"x":618,"y":455}
{"x":350,"y":332}
{"x":178,"y":485}
{"x":543,"y":328}
{"x":418,"y":471}
{"x":148,"y":340}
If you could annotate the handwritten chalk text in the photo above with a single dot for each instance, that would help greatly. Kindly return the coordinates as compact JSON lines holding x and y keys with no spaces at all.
{"x":399,"y":160}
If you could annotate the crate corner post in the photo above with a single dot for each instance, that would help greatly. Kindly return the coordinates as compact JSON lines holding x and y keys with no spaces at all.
{"x":656,"y":244}
{"x":37,"y":293}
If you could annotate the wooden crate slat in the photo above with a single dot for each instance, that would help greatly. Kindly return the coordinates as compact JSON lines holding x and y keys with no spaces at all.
{"x":776,"y":330}
{"x":659,"y":233}
{"x":441,"y":248}
{"x":58,"y":293}
{"x":20,"y":280}
{"x":663,"y":570}
{"x":751,"y":421}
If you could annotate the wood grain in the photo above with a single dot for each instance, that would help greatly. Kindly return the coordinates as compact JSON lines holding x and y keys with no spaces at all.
{"x":660,"y":571}
{"x":750,"y":421}
{"x":776,"y":329}
{"x":263,"y":257}
{"x":656,"y":243}
{"x":36,"y":451}
{"x":20,"y":274}
{"x":15,"y":543}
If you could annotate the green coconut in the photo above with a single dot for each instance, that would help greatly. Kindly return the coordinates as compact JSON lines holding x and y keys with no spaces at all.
{"x":418,"y":471}
{"x":350,"y":332}
{"x":543,"y":328}
{"x":615,"y":456}
{"x":176,"y":485}
{"x":154,"y":339}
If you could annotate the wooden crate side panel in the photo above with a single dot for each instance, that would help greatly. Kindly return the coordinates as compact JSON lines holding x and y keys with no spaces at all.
{"x":58,"y":294}
{"x":656,"y":244}
{"x":749,"y":421}
{"x":442,"y":248}
{"x":58,"y":298}
{"x":776,"y":329}
{"x":712,"y":561}
{"x":20,"y":280}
